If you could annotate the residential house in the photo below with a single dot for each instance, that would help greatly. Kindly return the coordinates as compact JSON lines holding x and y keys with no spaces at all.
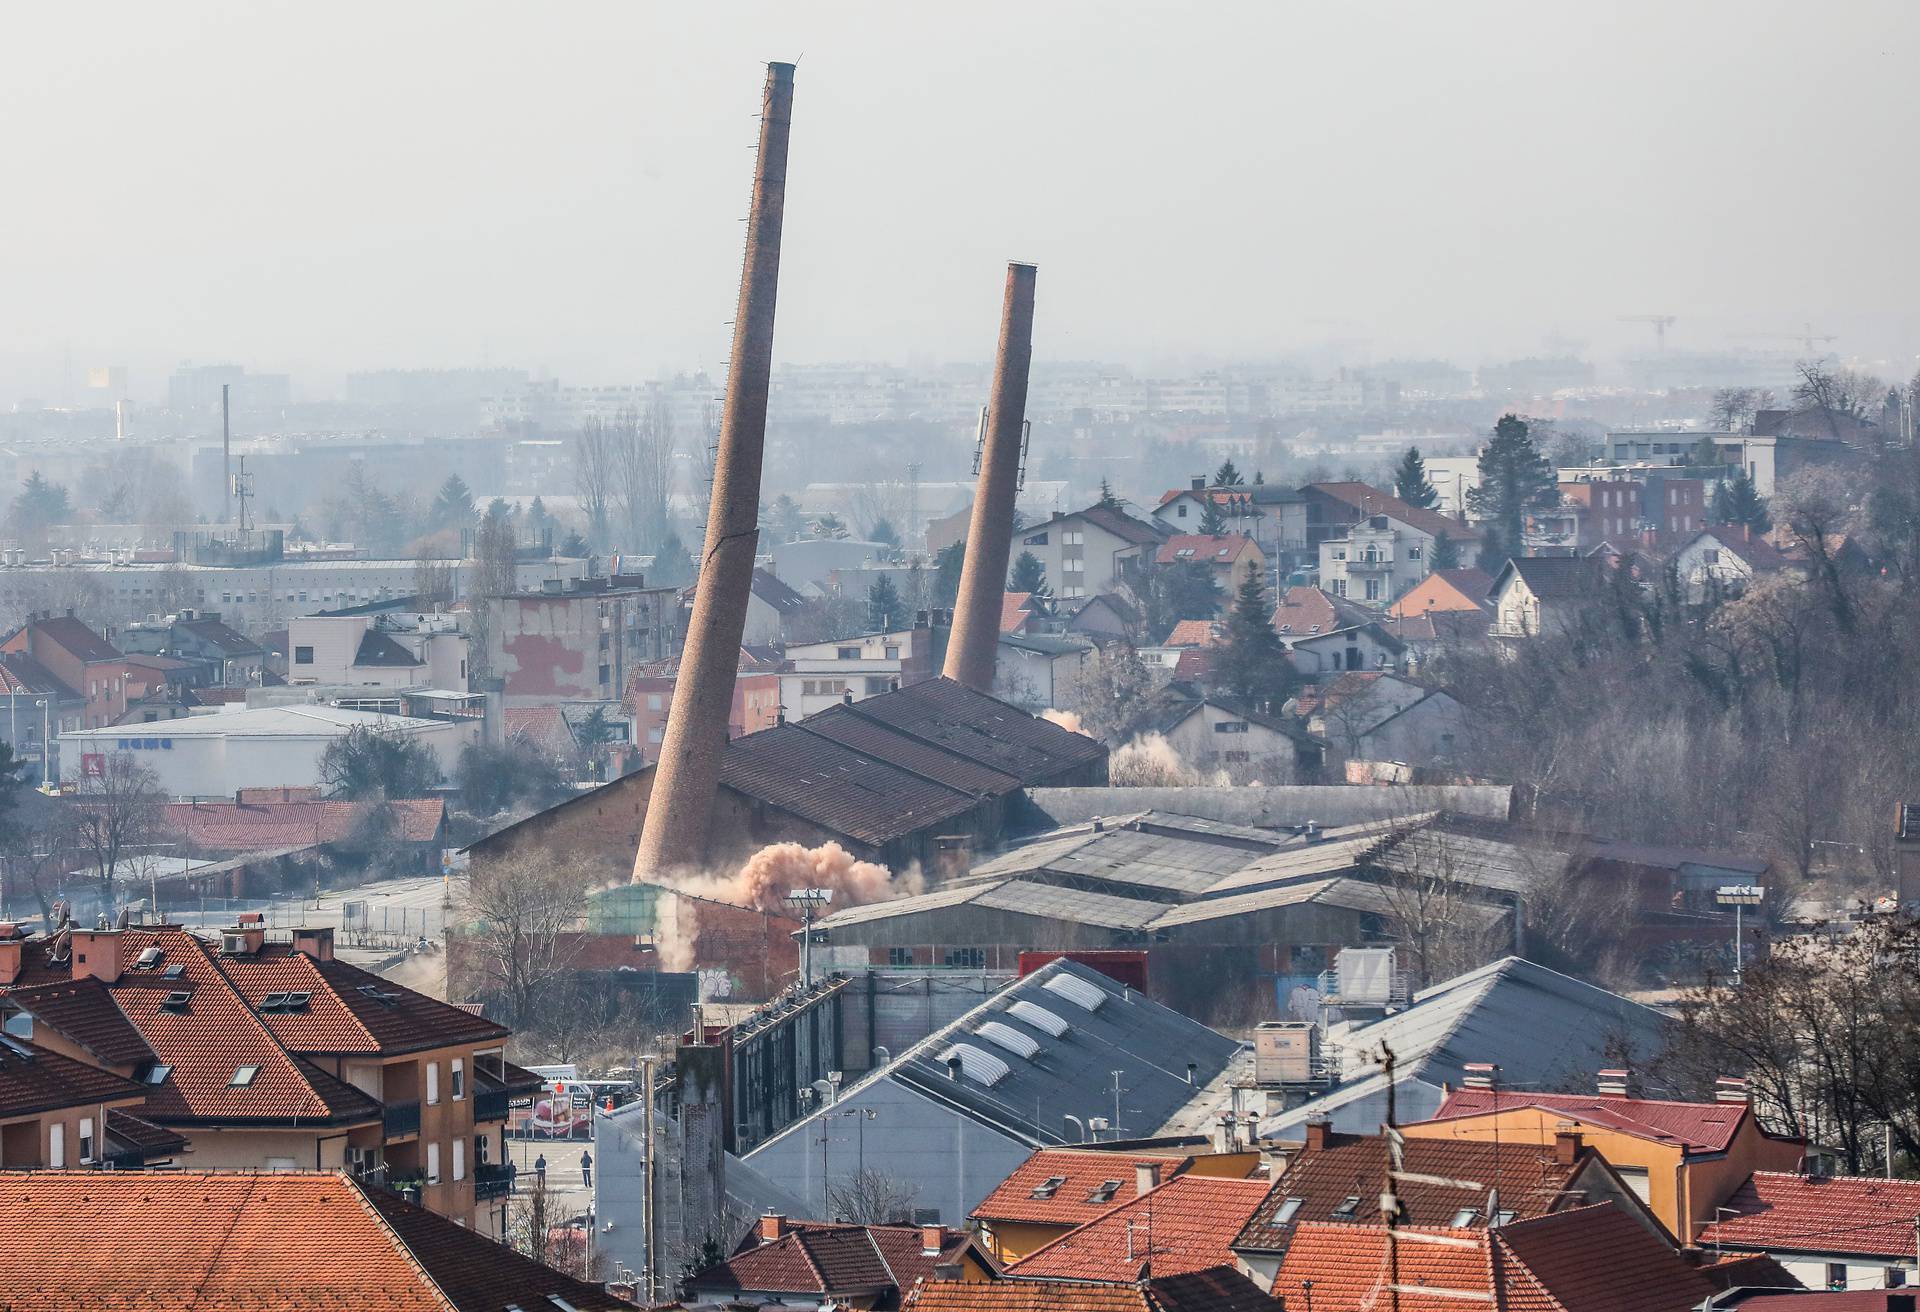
{"x":1107,"y":615}
{"x":1306,"y":611}
{"x":860,"y":1267}
{"x":1058,"y":1190}
{"x":822,"y":674}
{"x":1018,"y":613}
{"x":1447,"y":591}
{"x":1216,"y":1289}
{"x":1830,"y":1232}
{"x":1233,"y":558}
{"x":1382,"y":716}
{"x":205,"y":1239}
{"x":279,"y":1056}
{"x":1339,"y":1178}
{"x":220,"y":655}
{"x":1334,"y":508}
{"x":955,"y":1114}
{"x":1535,"y":596}
{"x":1368,"y":646}
{"x":577,"y":639}
{"x":771,"y":609}
{"x":1086,"y":552}
{"x":1682,"y":1159}
{"x":1605,"y":508}
{"x":1585,"y":1259}
{"x":1170,"y":1227}
{"x":83,"y":661}
{"x":1217,"y":733}
{"x":382,"y":649}
{"x":40,"y":707}
{"x":1726,"y":559}
{"x":1273,"y":516}
{"x":756,"y":698}
{"x":1379,"y":559}
{"x":1035,"y":671}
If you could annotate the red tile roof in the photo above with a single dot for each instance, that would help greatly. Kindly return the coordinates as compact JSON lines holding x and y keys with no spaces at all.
{"x":1186,"y":1224}
{"x":271,"y":826}
{"x":350,"y":1010}
{"x":235,"y":1241}
{"x":1216,"y":1289}
{"x":1015,"y":609}
{"x":1201,"y":549}
{"x":1531,"y":1181}
{"x":1305,"y":611}
{"x":817,"y":1258}
{"x":35,"y":1080}
{"x":1588,"y":1259}
{"x":134,"y":1132}
{"x":1193,"y":633}
{"x":1779,"y":1212}
{"x":544,"y":727}
{"x":76,"y":638}
{"x":21,"y":673}
{"x":1699,"y":1127}
{"x":1079,"y":1172}
{"x":83,"y":1011}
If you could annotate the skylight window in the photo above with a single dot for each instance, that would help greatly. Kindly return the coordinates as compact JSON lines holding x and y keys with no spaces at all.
{"x":157,"y":1074}
{"x":1503,"y":1217}
{"x":1466,"y":1216}
{"x":1040,"y":1018}
{"x":1048,"y":1187}
{"x":243,"y":1077}
{"x":176,"y":1001}
{"x":1087,"y":997}
{"x":173,"y":972}
{"x":1005,"y":1036}
{"x":1104,"y":1191}
{"x":1286,"y":1211}
{"x":147,"y":960}
{"x":273,"y":1002}
{"x":977,"y":1064}
{"x":1348,"y":1206}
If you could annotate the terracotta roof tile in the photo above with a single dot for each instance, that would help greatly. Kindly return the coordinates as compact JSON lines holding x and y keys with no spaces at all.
{"x":1203,"y":549}
{"x":342,"y":1016}
{"x":1185,"y":1224}
{"x":84,"y":1012}
{"x":152,"y":1140}
{"x":1070,"y":1202}
{"x":816,"y":1258}
{"x":1698,"y":1126}
{"x":259,"y":826}
{"x":233,"y":1241}
{"x":1370,"y":500}
{"x":1603,"y":1259}
{"x":34,"y":1079}
{"x":1780,"y":1212}
{"x":1216,"y":1289}
{"x":1350,"y":1268}
{"x":1193,"y":633}
{"x":1015,"y":609}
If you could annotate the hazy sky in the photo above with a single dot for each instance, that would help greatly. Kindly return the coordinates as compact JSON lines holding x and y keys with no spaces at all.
{"x":324,"y":187}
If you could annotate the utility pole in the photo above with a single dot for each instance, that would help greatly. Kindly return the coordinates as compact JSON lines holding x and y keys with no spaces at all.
{"x":648,"y":1192}
{"x":226,"y":456}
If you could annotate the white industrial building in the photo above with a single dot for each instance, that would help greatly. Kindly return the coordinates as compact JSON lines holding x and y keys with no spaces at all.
{"x":261,"y":747}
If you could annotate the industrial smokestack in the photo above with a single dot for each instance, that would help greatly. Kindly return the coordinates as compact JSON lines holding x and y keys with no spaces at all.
{"x":681,"y":806}
{"x":983,"y":576}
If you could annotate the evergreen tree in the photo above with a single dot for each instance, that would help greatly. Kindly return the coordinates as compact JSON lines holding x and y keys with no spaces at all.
{"x":1446,"y":554}
{"x":1212,"y":522}
{"x":1737,"y":501}
{"x":781,"y":521}
{"x":539,"y":520}
{"x":884,"y":533}
{"x":947,"y":563}
{"x":453,"y":505}
{"x":1107,"y":501}
{"x":1252,"y":665}
{"x":1410,"y":481}
{"x":884,"y":604}
{"x":1259,"y":478}
{"x":672,"y":566}
{"x":1184,"y":591}
{"x":1515,"y":481}
{"x":1028,"y":574}
{"x":575,"y":546}
{"x":1227,"y":475}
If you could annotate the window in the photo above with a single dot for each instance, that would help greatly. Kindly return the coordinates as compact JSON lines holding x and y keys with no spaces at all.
{"x":847,"y":654}
{"x":1349,"y":1207}
{"x":1104,"y":1191}
{"x":1413,"y":552}
{"x":459,"y":1159}
{"x":433,"y":1163}
{"x":655,"y":735}
{"x":303,"y":655}
{"x":459,"y":1081}
{"x":1036,"y":540}
{"x":1074,"y":565}
{"x":1836,"y":1274}
{"x":1710,"y":556}
{"x":57,"y":1146}
{"x":1230,"y":726}
{"x":968,"y":958}
{"x":893,"y":651}
{"x":1182,"y":510}
{"x":1466,"y":1216}
{"x":606,"y":672}
{"x":653,"y":701}
{"x":1373,"y":589}
{"x":433,"y":1083}
{"x":243,"y":1076}
{"x":1635,"y":1178}
{"x":86,"y":1140}
{"x":899,"y":956}
{"x":1286,"y":1211}
{"x":1048,"y":1187}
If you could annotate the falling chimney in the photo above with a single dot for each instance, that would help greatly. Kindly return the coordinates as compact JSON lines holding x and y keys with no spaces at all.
{"x":983,"y":573}
{"x":772,"y":1226}
{"x":680,"y":807}
{"x":1481,"y":1075}
{"x":1616,"y":1083}
{"x":1730,"y":1088}
{"x":314,"y":940}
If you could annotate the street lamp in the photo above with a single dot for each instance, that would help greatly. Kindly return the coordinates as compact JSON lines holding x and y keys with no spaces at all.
{"x":807,"y":899}
{"x":1739,"y":897}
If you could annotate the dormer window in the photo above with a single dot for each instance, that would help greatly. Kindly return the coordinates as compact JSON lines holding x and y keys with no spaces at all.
{"x":1286,"y":1211}
{"x":1104,"y":1192}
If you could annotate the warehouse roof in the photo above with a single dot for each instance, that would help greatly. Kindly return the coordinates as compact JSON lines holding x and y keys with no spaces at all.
{"x":264,"y":722}
{"x":1271,"y":806}
{"x":1353,"y":894}
{"x":847,"y":791}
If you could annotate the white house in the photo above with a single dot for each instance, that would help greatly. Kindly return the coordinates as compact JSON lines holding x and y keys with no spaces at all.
{"x":381,"y":650}
{"x":1085,"y":552}
{"x":1213,"y":734}
{"x":1725,"y":559}
{"x":1035,"y":670}
{"x":1357,"y":647}
{"x":261,"y":747}
{"x":823,"y":674}
{"x":1534,"y":595}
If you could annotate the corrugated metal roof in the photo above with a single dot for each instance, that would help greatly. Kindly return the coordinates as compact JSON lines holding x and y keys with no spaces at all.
{"x":951,"y":896}
{"x":1275,"y":805}
{"x":1353,"y":894}
{"x":1030,"y":899}
{"x":848,"y":727}
{"x":1294,"y":865}
{"x":849,"y":792}
{"x":1445,"y":853}
{"x":983,"y":729}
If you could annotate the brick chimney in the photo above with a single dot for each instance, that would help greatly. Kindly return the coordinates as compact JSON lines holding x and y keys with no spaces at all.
{"x":1481,"y":1075}
{"x":1616,"y":1083}
{"x":314,"y":940}
{"x":96,"y":954}
{"x":13,"y":953}
{"x":1566,"y":1146}
{"x":1731,"y":1088}
{"x":1318,"y":1131}
{"x":246,"y":937}
{"x":1146,"y":1175}
{"x":932,"y":1239}
{"x":1200,"y":485}
{"x":772,"y":1226}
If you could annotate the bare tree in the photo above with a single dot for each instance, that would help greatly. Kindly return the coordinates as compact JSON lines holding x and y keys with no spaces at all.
{"x":595,"y":467}
{"x":494,"y":576}
{"x":1447,"y":924}
{"x":524,"y":908}
{"x":433,"y":580}
{"x":704,"y":447}
{"x":119,"y":809}
{"x":1836,"y":394}
{"x":642,"y":473}
{"x":870,"y":1197}
{"x":536,"y":1230}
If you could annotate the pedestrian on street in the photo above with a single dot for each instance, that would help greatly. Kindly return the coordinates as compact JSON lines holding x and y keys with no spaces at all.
{"x":586,"y":1170}
{"x":540,"y":1170}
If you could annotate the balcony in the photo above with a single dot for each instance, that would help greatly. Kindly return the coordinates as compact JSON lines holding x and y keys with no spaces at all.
{"x":401,"y":1119}
{"x":1362,"y":561}
{"x":490,"y":1105}
{"x":491,"y":1182}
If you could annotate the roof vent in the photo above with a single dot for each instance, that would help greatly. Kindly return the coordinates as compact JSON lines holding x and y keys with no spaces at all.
{"x":1088,"y":997}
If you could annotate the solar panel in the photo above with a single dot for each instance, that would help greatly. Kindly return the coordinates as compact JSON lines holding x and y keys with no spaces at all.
{"x":1087,"y":997}
{"x":1039,"y":1017}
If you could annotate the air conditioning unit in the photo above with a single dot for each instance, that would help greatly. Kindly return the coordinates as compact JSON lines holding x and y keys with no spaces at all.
{"x":234,"y":945}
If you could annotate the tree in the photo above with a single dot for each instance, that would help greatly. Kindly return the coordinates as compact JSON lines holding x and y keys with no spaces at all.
{"x":1107,"y":500}
{"x":1515,"y":481}
{"x":643,"y":446}
{"x":494,"y":575}
{"x":39,"y":506}
{"x":539,"y":520}
{"x":672,"y":565}
{"x":870,"y":1197}
{"x":1705,"y":453}
{"x":118,"y":810}
{"x":781,"y":521}
{"x":1252,"y":665}
{"x":595,"y":472}
{"x":1212,"y":522}
{"x":1227,"y":475}
{"x":1734,"y":407}
{"x":1112,"y":693}
{"x":1837,"y":394}
{"x":829,"y":525}
{"x":1446,"y":553}
{"x":368,"y":762}
{"x":513,"y":774}
{"x":884,"y":605}
{"x":1736,"y":501}
{"x":947,"y":564}
{"x":520,"y":908}
{"x":434,"y":581}
{"x":1027,"y":575}
{"x":1410,"y":481}
{"x":883,"y":532}
{"x":452,"y":505}
{"x":1186,"y":590}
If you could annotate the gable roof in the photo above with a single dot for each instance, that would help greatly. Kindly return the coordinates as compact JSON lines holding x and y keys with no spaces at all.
{"x":350,"y":1010}
{"x":224,"y":1241}
{"x":1016,"y":608}
{"x":1183,"y":1224}
{"x":1759,"y":554}
{"x":1698,"y":1127}
{"x":21,"y":673}
{"x":76,"y":638}
{"x":832,"y":1259}
{"x":1452,"y":1175}
{"x":1057,"y":1186}
{"x":83,"y":1011}
{"x":34,"y":1080}
{"x":1138,"y":532}
{"x":777,"y":593}
{"x":1779,"y":1212}
{"x":379,"y":650}
{"x":1303,"y":611}
{"x":1205,"y":549}
{"x":1467,"y":587}
{"x":1215,"y":1289}
{"x":217,"y":633}
{"x":1370,"y":500}
{"x":1193,"y":633}
{"x":1555,"y":578}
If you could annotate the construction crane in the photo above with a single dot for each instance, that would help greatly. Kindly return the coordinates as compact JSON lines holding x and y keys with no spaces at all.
{"x":1660,"y":322}
{"x":1806,"y":337}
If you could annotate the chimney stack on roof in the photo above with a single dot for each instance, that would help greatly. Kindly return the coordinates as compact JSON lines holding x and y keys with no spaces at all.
{"x":1146,"y":1176}
{"x":1731,"y":1088}
{"x":932,"y":1239}
{"x":1616,"y":1083}
{"x":975,"y":644}
{"x":687,"y":771}
{"x":1319,"y":1129}
{"x":772,"y":1226}
{"x":13,"y":953}
{"x":1481,"y":1075}
{"x":96,"y":954}
{"x":1566,"y":1146}
{"x":314,"y":940}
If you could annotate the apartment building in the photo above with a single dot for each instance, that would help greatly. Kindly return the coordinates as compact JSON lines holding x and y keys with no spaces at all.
{"x":386,"y":649}
{"x":1086,"y":551}
{"x":578,"y":639}
{"x":823,"y":674}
